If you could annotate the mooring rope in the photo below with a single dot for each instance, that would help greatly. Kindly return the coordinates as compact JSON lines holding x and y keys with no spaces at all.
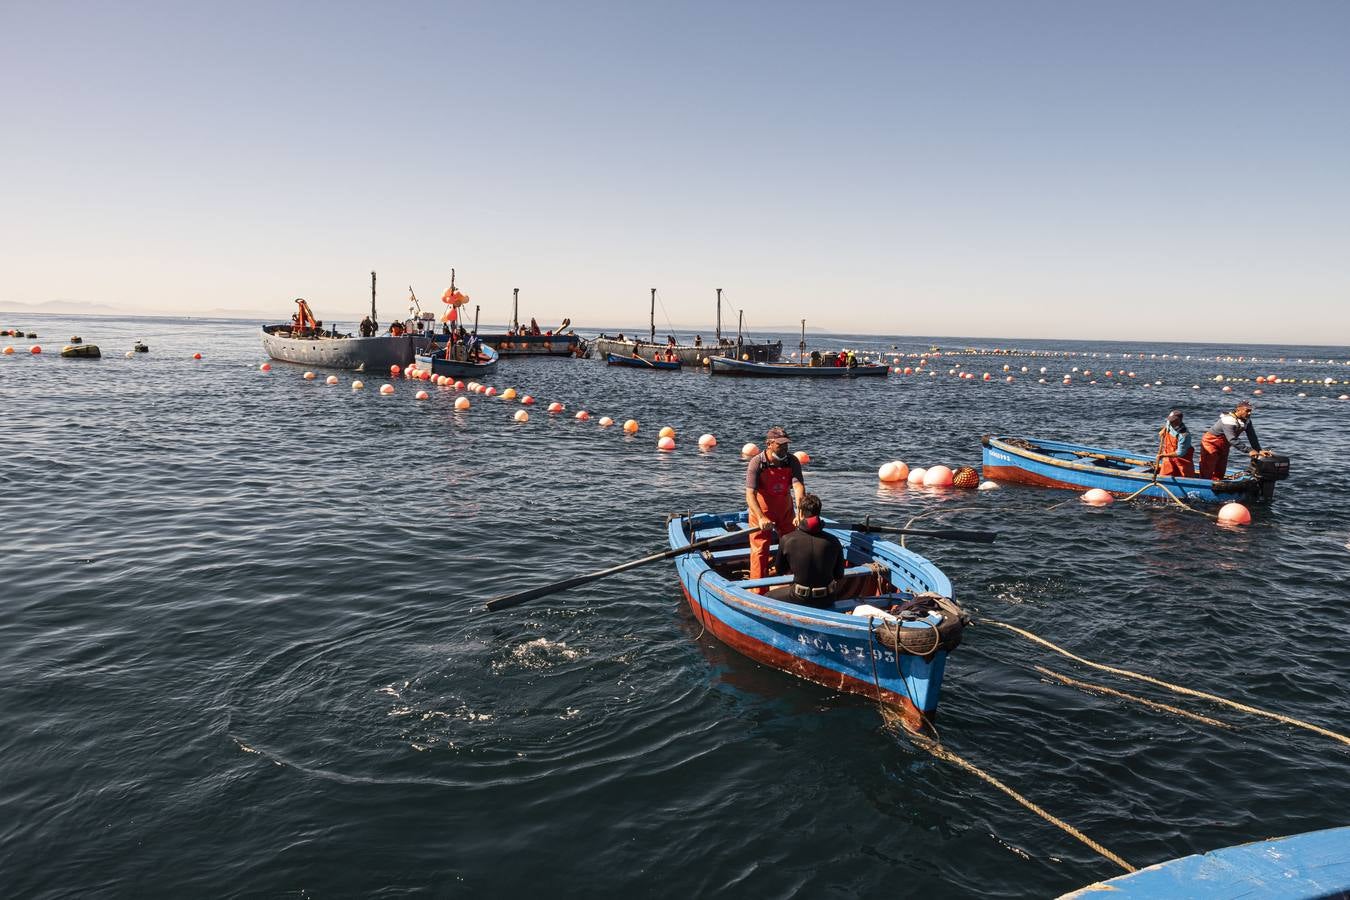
{"x":942,"y":753}
{"x":1112,"y":692}
{"x":1176,"y":688}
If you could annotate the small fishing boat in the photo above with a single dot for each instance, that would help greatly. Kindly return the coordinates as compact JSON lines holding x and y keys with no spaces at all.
{"x":1301,"y":867}
{"x":81,"y":351}
{"x":896,"y":660}
{"x":691,"y":354}
{"x":1076,"y":467}
{"x":484,"y":362}
{"x":518,"y":341}
{"x":637,"y":362}
{"x":726,"y":366}
{"x":141,"y":348}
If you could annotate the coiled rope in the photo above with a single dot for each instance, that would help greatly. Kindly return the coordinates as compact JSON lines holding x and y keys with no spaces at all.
{"x":1175,"y":688}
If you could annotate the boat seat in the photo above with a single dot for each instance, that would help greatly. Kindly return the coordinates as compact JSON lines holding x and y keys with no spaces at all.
{"x":787,"y":579}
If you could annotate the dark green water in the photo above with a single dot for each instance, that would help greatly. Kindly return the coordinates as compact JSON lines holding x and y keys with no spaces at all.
{"x":242,"y":651}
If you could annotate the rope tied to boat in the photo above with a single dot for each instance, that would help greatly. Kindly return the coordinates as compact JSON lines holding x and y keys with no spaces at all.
{"x":1175,"y":688}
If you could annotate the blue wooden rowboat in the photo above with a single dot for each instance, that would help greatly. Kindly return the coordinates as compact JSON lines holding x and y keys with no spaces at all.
{"x":483,"y":363}
{"x":637,"y":362}
{"x":1077,"y":467}
{"x":899,"y":663}
{"x":1316,"y":864}
{"x":720,"y":365}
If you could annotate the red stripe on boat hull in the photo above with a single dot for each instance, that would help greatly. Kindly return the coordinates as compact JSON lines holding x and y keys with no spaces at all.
{"x":1015,"y":475}
{"x":770,"y":655}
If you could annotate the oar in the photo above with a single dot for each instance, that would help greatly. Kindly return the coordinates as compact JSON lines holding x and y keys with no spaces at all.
{"x":978,"y":537}
{"x":506,"y":601}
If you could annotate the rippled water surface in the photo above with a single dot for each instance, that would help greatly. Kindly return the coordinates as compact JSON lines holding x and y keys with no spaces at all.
{"x":242,"y":650}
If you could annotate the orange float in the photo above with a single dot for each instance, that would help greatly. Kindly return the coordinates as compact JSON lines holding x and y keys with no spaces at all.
{"x":331,"y":379}
{"x":631,"y":426}
{"x":461,"y":403}
{"x":916,"y":476}
{"x":522,"y":416}
{"x":555,"y":407}
{"x":265,"y":367}
{"x":938,"y":476}
{"x":749,"y":450}
{"x":666,"y":444}
{"x":1234,"y":514}
{"x":420,"y":395}
{"x":358,"y":385}
{"x":1098,"y":497}
{"x":386,"y":389}
{"x":706,"y":442}
{"x":803,"y":457}
{"x":666,"y":431}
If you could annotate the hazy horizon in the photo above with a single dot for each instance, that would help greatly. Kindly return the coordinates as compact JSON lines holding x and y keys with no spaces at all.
{"x":1055,"y":171}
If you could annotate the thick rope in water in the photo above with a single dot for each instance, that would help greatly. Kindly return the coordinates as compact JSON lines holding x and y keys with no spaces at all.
{"x":942,"y":753}
{"x":1175,"y":688}
{"x":1112,"y":692}
{"x":1184,"y":505}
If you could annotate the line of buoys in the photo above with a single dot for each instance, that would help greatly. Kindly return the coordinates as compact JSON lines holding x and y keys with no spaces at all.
{"x":358,"y":385}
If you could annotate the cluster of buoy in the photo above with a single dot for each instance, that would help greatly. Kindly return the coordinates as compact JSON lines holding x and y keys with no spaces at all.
{"x":1229,"y":514}
{"x":899,"y":472}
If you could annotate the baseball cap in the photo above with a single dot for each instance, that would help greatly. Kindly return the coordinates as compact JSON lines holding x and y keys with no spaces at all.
{"x":776,"y":434}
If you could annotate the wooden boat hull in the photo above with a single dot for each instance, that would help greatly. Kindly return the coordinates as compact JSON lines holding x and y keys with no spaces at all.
{"x":1061,"y":465}
{"x":831,"y":648}
{"x":362,"y":354}
{"x":533,"y":344}
{"x":651,"y":365}
{"x":722,"y":366}
{"x":454,"y":368}
{"x":688,"y":354}
{"x":1301,"y":867}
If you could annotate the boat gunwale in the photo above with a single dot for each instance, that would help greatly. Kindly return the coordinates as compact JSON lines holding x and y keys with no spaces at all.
{"x":1205,"y":483}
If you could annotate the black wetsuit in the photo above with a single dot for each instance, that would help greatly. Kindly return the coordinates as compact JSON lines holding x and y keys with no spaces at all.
{"x":815,"y":559}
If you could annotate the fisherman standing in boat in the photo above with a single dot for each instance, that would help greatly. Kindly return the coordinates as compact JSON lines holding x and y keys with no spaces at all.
{"x":814,"y":557}
{"x":772,"y":479}
{"x":1176,"y":453}
{"x":1222,"y":435}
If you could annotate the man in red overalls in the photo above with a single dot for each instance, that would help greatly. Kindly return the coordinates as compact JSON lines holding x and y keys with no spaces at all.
{"x":1176,"y":453}
{"x":771,"y":481}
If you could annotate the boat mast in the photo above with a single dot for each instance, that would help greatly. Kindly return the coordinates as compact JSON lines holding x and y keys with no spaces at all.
{"x":719,"y":317}
{"x":372,"y":297}
{"x":515,"y":309}
{"x":740,"y":341}
{"x":653,"y":315}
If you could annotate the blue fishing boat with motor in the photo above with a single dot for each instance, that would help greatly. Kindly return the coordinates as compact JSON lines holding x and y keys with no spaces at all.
{"x":458,"y":363}
{"x":1056,"y":464}
{"x":1302,"y":867}
{"x":637,"y":362}
{"x":858,"y":645}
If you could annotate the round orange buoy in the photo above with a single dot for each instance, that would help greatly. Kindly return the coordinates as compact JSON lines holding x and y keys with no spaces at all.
{"x":555,"y":407}
{"x":1009,"y":379}
{"x":631,"y":426}
{"x":527,"y":400}
{"x":749,"y":450}
{"x":309,"y":376}
{"x":509,"y":394}
{"x":458,"y":385}
{"x":666,"y":431}
{"x":893,"y":471}
{"x":420,"y":395}
{"x":583,"y":415}
{"x":965,"y":477}
{"x":938,"y":476}
{"x":331,"y":379}
{"x":386,"y":389}
{"x":194,"y":356}
{"x":706,"y":442}
{"x":606,"y":421}
{"x":358,"y":385}
{"x":666,"y":444}
{"x":395,"y":369}
{"x":9,"y":351}
{"x":1257,"y":393}
{"x":987,"y":376}
{"x":1098,"y":497}
{"x":1260,"y":379}
{"x":522,"y":416}
{"x":490,"y":392}
{"x":803,"y":457}
{"x":916,"y":476}
{"x":1234,"y":514}
{"x":265,"y":367}
{"x":1227,"y":389}
{"x":909,"y":370}
{"x":461,"y":403}
{"x":988,"y":486}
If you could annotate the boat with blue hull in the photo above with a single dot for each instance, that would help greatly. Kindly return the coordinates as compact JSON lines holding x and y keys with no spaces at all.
{"x":637,"y":362}
{"x":898,"y":661}
{"x":484,"y":362}
{"x":1302,"y":867}
{"x":1057,"y":464}
{"x":726,"y":366}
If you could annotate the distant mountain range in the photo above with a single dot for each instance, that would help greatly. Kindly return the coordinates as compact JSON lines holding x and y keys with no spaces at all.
{"x":84,"y":308}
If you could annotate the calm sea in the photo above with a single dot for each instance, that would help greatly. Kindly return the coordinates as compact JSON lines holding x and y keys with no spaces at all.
{"x":242,"y":651}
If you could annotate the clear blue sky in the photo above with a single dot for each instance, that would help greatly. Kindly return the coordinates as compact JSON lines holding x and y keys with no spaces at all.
{"x":1023,"y":169}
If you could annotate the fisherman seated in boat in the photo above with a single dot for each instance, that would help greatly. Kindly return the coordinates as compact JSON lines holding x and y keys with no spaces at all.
{"x":1176,"y":453}
{"x":814,"y":557}
{"x":816,"y":361}
{"x":1222,"y":435}
{"x":772,"y":479}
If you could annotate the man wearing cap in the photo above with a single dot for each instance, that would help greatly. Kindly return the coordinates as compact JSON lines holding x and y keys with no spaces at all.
{"x":1176,"y":453}
{"x":1222,"y":435}
{"x":772,"y":479}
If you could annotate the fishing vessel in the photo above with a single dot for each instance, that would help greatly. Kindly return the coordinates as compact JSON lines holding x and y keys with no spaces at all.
{"x":637,"y":362}
{"x":517,"y":341}
{"x":1301,"y":867}
{"x":896,"y":660}
{"x":814,"y":366}
{"x":459,"y":363}
{"x":302,"y":341}
{"x":1057,"y":464}
{"x":692,"y":354}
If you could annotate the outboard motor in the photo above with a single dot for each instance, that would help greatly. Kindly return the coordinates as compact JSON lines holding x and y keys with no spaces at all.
{"x":1269,"y":469}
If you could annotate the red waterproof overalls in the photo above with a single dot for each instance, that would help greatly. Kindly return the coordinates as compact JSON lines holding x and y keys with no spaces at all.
{"x":1181,"y":466}
{"x":773,"y":492}
{"x":1213,"y":456}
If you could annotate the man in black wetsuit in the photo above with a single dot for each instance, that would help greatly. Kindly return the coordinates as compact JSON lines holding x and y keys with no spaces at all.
{"x":815,"y":559}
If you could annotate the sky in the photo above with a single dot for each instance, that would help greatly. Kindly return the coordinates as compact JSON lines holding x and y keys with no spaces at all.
{"x":1143,"y":170}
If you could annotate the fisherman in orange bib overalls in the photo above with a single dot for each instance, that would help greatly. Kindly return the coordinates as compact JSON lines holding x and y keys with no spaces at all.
{"x":1176,"y":453}
{"x":772,"y":479}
